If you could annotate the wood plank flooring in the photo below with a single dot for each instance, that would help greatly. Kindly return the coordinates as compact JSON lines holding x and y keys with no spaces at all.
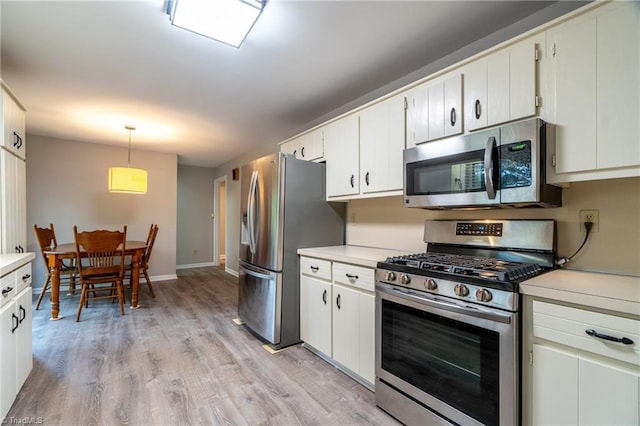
{"x":179,"y":360}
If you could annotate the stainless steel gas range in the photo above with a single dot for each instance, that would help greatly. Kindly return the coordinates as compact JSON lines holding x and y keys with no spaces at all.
{"x":448,"y":321}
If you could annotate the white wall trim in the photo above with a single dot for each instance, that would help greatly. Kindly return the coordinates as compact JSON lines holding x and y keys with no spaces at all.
{"x":195,"y":265}
{"x":160,"y":278}
{"x":231,"y":272}
{"x":222,"y":180}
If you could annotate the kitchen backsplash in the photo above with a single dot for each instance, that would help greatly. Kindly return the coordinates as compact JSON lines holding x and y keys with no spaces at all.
{"x":384,"y":222}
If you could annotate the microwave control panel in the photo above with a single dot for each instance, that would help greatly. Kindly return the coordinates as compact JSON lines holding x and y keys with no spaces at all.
{"x":484,"y":229}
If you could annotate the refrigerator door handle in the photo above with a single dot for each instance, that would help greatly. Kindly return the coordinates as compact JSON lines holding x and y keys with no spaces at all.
{"x":257,"y":272}
{"x":251,"y":211}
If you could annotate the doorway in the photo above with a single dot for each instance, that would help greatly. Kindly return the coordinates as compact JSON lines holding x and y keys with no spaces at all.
{"x":219,"y":221}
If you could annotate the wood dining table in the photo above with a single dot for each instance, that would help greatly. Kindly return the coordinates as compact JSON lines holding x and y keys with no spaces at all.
{"x":57,"y":254}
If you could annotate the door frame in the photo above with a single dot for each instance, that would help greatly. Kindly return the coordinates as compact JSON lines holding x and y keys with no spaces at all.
{"x":217,"y":183}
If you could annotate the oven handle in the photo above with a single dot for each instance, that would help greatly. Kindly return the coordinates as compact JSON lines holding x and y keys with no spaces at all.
{"x":428,"y":300}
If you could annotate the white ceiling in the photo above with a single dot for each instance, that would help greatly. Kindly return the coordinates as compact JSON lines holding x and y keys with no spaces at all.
{"x":84,"y":69}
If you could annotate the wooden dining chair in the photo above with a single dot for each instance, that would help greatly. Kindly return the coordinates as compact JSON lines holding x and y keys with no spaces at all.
{"x":144,"y":262}
{"x":46,"y":238}
{"x":100,"y":259}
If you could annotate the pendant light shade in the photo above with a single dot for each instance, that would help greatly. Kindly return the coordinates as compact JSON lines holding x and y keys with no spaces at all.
{"x":128,"y":180}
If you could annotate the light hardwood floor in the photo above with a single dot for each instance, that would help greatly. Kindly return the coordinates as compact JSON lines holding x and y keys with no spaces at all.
{"x":178,"y":360}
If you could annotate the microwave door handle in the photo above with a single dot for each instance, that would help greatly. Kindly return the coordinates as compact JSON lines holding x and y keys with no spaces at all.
{"x":488,"y":167}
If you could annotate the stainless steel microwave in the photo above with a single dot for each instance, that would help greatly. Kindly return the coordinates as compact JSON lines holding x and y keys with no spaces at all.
{"x":500,"y":167}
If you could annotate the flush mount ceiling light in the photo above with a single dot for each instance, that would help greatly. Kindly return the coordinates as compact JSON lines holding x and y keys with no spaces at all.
{"x":127,"y":179}
{"x":228,"y":21}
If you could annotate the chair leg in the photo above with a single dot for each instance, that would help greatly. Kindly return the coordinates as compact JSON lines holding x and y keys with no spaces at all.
{"x":146,"y":277}
{"x":45,"y":286}
{"x":120,"y":287}
{"x":83,"y":300}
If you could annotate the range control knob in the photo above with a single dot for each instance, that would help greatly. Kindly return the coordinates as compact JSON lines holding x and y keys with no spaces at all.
{"x":430,"y":284}
{"x":483,"y":295}
{"x":391,"y":276}
{"x":405,"y":279}
{"x":461,"y":290}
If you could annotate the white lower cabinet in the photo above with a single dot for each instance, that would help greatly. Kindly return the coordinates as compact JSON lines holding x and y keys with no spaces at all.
{"x":16,"y":359}
{"x":337,"y":314}
{"x":578,"y":378}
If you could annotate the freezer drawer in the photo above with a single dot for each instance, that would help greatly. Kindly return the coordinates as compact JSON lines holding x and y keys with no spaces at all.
{"x":260,"y":301}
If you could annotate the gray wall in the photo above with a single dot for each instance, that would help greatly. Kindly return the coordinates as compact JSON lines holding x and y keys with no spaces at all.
{"x":67,"y":186}
{"x":195,"y":225}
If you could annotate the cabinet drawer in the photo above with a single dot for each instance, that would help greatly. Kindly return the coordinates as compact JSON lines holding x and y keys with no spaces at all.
{"x":8,"y":287}
{"x":354,"y":276}
{"x":318,"y":268}
{"x":23,"y":277}
{"x":568,"y":326}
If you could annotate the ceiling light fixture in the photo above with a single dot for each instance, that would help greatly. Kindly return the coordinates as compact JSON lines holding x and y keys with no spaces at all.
{"x":228,"y":21}
{"x":127,"y":179}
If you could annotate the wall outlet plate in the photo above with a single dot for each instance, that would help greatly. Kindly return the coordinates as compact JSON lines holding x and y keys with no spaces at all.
{"x":590,"y":216}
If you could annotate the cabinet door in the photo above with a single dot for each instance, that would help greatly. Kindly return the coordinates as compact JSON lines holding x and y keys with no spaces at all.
{"x":435,"y":96}
{"x":381,"y":145}
{"x":417,"y":118}
{"x":573,"y":52}
{"x":618,"y":86}
{"x":555,"y":387}
{"x":522,"y":78}
{"x":290,"y":147}
{"x":453,"y":105}
{"x":24,"y":352}
{"x":498,"y":97}
{"x":475,"y":95}
{"x":8,"y":390}
{"x":14,"y":126}
{"x":342,"y":155}
{"x":315,"y":313}
{"x":313,"y":147}
{"x":366,"y":321}
{"x":346,"y":341}
{"x":607,"y":395}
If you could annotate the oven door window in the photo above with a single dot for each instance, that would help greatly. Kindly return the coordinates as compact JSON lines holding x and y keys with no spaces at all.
{"x":454,"y":361}
{"x":453,"y":174}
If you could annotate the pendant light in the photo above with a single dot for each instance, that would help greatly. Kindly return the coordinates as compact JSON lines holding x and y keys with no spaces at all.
{"x":128,"y":180}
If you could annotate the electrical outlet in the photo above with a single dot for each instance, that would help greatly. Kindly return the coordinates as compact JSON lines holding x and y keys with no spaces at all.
{"x":589,"y":216}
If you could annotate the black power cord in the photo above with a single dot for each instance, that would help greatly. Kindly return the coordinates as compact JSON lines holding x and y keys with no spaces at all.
{"x":564,"y":260}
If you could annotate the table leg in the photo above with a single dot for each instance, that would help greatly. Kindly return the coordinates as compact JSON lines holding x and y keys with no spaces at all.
{"x":55,"y":266}
{"x":135,"y":279}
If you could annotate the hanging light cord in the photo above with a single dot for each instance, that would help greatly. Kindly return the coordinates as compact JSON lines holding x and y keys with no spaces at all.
{"x":130,"y":129}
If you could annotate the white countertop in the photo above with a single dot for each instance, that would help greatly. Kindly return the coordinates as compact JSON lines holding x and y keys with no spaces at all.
{"x":356,"y":255}
{"x":12,"y":261}
{"x":617,"y":293}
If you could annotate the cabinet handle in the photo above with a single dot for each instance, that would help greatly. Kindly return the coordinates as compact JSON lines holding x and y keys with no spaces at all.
{"x":623,"y":340}
{"x":14,"y":320}
{"x":23,"y":314}
{"x":18,"y":142}
{"x":452,"y":117}
{"x":366,"y":178}
{"x":302,"y":151}
{"x":7,"y":290}
{"x":295,"y":153}
{"x":352,"y":277}
{"x":324,"y":297}
{"x":26,"y":277}
{"x":338,"y":301}
{"x":314,"y":268}
{"x":353,"y":184}
{"x":478,"y":109}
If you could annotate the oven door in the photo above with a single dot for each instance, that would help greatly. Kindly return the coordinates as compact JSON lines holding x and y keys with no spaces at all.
{"x":458,"y":361}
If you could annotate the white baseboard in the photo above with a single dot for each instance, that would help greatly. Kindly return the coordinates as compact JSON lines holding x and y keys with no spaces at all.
{"x":194,"y":265}
{"x":231,"y":272}
{"x":162,"y":278}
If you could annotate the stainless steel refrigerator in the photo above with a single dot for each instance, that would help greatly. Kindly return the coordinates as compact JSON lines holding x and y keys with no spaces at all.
{"x":283,"y":208}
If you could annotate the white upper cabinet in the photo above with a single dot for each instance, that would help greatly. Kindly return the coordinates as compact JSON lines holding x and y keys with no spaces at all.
{"x":309,"y":146}
{"x":342,"y":139}
{"x":594,"y":78}
{"x":13,"y":122}
{"x":381,"y":143}
{"x":501,"y":87}
{"x":434,"y":110}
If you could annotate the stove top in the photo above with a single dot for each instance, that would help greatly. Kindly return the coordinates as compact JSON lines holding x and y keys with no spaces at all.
{"x":464,"y":266}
